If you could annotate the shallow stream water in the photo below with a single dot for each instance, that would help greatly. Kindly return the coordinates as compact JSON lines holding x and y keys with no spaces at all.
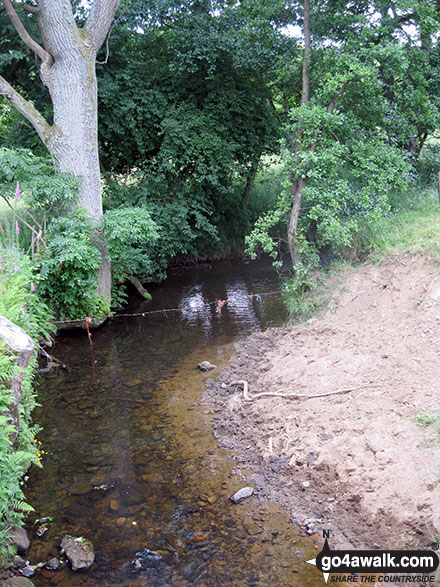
{"x":131,"y":461}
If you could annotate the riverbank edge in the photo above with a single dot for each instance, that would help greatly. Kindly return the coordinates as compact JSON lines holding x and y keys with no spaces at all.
{"x":270,"y":476}
{"x":21,"y":304}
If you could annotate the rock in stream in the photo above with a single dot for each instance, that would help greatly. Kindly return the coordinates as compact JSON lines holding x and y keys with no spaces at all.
{"x":79,"y":551}
{"x":243,"y":493}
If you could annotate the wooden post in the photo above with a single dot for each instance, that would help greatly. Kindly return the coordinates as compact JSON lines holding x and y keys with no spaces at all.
{"x":18,"y":341}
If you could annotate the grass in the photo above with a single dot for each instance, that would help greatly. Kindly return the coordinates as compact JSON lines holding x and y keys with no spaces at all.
{"x":426,"y":419}
{"x":414,"y":228}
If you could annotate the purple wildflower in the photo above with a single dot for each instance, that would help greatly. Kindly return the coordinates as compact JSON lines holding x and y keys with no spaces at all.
{"x":17,"y":191}
{"x":32,"y":286}
{"x":17,"y":230}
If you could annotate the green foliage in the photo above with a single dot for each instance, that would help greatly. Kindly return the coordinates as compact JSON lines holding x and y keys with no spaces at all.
{"x":165,"y":227}
{"x":19,"y":282}
{"x":131,"y":234}
{"x":185,"y":105}
{"x":43,"y":193}
{"x":426,"y":419}
{"x":42,"y":188}
{"x":69,"y":267}
{"x":20,"y":304}
{"x":63,"y":245}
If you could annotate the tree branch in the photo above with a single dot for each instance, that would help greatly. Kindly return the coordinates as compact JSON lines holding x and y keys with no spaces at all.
{"x":100,"y":18}
{"x":58,"y":26}
{"x":45,"y":57}
{"x":24,"y":35}
{"x":337,"y":97}
{"x":27,"y":7}
{"x":40,"y":124}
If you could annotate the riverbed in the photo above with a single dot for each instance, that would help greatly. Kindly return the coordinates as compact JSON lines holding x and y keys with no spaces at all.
{"x":131,"y":460}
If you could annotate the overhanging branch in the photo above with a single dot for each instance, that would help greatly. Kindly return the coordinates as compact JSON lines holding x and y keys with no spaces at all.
{"x":24,"y":35}
{"x":45,"y":57}
{"x":40,"y":124}
{"x":27,"y":7}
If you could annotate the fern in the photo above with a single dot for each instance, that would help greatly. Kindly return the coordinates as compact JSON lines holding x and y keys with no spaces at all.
{"x":23,"y":307}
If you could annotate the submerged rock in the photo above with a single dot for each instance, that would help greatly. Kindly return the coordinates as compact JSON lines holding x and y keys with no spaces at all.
{"x":18,"y":582}
{"x":52,"y":564}
{"x":148,"y":559}
{"x":79,"y":552}
{"x":206,"y":366}
{"x":20,"y":539}
{"x":243,"y":493}
{"x":27,"y":571}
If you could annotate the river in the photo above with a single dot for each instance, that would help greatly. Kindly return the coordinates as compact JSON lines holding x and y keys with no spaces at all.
{"x":130,"y":460}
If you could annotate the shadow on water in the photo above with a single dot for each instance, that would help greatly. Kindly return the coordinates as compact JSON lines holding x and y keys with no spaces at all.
{"x":131,"y":462}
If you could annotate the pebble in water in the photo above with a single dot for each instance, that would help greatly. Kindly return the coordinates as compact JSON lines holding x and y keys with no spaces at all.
{"x":242,"y":494}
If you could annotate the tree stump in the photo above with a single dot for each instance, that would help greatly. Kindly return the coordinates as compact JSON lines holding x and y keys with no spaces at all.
{"x":21,"y":345}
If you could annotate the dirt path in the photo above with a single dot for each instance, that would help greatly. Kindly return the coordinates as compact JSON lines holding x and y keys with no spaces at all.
{"x":357,"y":463}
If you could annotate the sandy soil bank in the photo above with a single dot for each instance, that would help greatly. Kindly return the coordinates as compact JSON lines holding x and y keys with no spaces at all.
{"x":356,"y":463}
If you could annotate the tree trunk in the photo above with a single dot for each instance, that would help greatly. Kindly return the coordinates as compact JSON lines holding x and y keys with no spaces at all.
{"x":297,"y":185}
{"x":19,"y":342}
{"x":72,"y":84}
{"x":296,"y":189}
{"x":73,"y":89}
{"x":68,"y":71}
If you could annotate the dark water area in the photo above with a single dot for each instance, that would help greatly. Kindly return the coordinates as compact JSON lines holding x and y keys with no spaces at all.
{"x":131,"y":462}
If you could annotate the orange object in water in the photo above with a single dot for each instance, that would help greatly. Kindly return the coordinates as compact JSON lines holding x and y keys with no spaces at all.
{"x":89,"y":321}
{"x":220,"y":304}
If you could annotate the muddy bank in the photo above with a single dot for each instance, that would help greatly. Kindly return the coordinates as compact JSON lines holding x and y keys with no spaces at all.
{"x":355,"y":463}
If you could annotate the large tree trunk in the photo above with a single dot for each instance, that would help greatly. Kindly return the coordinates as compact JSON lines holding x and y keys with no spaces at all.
{"x":73,"y":89}
{"x":68,"y":71}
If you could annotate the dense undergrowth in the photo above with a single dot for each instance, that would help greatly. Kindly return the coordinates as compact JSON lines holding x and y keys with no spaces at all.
{"x":20,"y":304}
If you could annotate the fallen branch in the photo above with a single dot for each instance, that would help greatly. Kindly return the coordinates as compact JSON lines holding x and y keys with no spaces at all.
{"x":249,"y":398}
{"x":139,"y":287}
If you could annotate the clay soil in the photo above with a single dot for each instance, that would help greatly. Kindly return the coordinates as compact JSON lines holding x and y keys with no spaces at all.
{"x":355,"y":463}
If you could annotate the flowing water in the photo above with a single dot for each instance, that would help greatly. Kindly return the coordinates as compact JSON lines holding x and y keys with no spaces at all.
{"x":131,"y":462}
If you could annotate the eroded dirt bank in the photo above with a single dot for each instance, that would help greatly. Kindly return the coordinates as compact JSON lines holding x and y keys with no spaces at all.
{"x":355,"y":463}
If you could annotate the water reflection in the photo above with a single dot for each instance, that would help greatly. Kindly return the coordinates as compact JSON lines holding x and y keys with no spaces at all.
{"x":195,"y":309}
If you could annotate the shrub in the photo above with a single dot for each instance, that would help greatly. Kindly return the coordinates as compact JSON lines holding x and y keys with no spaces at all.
{"x":69,"y":268}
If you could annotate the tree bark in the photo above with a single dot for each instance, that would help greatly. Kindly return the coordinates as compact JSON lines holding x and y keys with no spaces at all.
{"x":19,"y":342}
